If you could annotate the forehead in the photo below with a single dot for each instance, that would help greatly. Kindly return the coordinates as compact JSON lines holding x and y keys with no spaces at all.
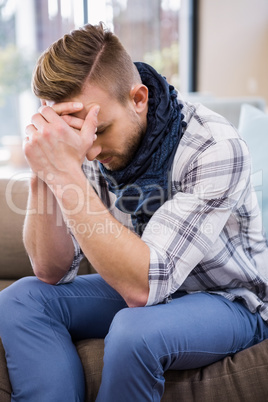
{"x":93,"y":95}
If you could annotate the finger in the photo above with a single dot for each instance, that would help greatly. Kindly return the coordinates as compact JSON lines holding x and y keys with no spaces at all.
{"x":64,"y":108}
{"x":29,"y":131}
{"x":73,"y":121}
{"x":38,"y":120}
{"x":48,"y":114}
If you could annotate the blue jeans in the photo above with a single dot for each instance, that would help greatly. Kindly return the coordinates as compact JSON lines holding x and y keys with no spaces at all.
{"x":39,"y":322}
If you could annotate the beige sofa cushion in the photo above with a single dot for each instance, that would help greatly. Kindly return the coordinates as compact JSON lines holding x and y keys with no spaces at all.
{"x":14,"y":262}
{"x":5,"y":387}
{"x":242,"y":377}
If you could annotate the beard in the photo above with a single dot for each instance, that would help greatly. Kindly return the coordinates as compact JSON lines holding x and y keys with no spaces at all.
{"x":122,"y":160}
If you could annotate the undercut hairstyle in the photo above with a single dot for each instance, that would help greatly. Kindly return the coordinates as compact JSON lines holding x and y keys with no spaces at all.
{"x":91,"y":54}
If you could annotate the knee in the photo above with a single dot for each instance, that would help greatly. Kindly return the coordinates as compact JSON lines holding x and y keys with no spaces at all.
{"x":127,"y":337}
{"x":18,"y":289}
{"x":15,"y":298}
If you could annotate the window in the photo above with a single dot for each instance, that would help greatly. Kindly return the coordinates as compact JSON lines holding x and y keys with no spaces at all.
{"x":26,"y":28}
{"x":149,"y":29}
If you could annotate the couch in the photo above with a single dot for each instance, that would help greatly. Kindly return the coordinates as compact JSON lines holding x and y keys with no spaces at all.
{"x":229,"y":107}
{"x":239,"y":378}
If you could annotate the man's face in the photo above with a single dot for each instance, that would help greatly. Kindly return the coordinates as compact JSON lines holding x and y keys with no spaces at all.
{"x":120,"y":128}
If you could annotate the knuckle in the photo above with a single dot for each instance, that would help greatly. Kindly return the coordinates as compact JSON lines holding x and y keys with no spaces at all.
{"x":28,"y":128}
{"x":35,"y":140}
{"x":44,"y":109}
{"x":43,"y":130}
{"x":60,"y":129}
{"x":34,"y":117}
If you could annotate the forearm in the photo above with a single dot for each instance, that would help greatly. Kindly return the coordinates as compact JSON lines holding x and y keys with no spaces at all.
{"x":117,"y":254}
{"x":45,"y":235}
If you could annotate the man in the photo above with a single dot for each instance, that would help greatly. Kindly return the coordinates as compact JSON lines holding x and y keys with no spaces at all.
{"x":162,"y":208}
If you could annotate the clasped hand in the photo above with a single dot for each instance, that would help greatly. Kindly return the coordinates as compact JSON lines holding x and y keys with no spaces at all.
{"x":57,"y":141}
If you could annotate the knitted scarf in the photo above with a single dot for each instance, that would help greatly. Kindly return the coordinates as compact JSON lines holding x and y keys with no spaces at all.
{"x":142,"y":186}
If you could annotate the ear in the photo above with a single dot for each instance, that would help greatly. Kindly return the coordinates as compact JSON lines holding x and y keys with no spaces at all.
{"x":139,"y":97}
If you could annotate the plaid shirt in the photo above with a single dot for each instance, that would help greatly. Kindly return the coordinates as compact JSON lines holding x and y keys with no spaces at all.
{"x":208,"y":235}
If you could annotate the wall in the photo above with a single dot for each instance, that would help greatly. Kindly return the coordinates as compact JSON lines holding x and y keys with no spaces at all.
{"x":233,"y":48}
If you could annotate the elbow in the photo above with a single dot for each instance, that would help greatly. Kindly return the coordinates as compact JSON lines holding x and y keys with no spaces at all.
{"x":139,"y":300}
{"x":45,"y":279}
{"x":45,"y":275}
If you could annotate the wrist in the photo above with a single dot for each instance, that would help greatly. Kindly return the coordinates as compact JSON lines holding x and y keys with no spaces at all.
{"x":36,"y":182}
{"x":76,"y":197}
{"x":69,"y":189}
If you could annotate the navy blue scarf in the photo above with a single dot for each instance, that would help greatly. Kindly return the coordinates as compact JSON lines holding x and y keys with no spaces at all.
{"x":143,"y":186}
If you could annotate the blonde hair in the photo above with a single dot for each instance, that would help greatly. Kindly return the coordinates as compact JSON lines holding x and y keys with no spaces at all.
{"x":88,"y":54}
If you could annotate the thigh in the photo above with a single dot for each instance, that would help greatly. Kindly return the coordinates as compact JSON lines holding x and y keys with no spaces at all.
{"x":85,"y":307}
{"x":38,"y":325}
{"x":193,"y":330}
{"x":214,"y":327}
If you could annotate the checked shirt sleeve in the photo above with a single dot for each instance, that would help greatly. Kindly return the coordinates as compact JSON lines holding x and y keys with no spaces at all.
{"x":73,"y":270}
{"x":183,"y":231}
{"x":93,"y":176}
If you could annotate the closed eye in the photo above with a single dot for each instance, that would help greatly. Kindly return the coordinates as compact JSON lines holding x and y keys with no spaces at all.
{"x":100,"y":131}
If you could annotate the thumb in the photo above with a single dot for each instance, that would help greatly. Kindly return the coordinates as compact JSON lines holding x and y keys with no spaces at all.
{"x":89,"y":127}
{"x":88,"y":133}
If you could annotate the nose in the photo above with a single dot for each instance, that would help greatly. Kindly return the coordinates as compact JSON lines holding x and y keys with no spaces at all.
{"x":93,"y":152}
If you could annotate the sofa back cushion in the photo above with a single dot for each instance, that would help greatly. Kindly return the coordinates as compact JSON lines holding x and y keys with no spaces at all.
{"x":14,"y":262}
{"x":253,"y":127}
